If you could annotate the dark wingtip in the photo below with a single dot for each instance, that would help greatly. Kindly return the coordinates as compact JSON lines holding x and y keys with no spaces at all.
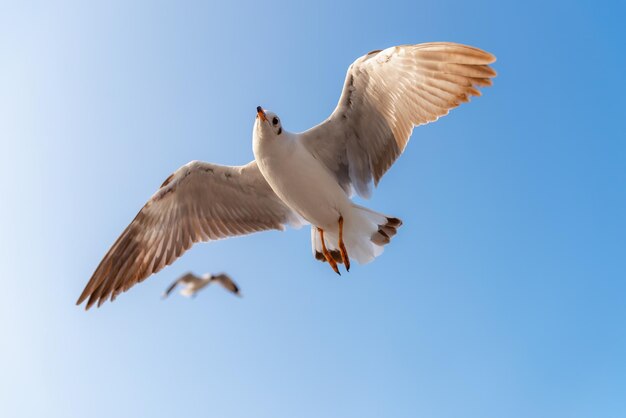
{"x":395,"y":222}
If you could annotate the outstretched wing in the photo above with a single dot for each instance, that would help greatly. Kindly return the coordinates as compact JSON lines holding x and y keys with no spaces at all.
{"x":199,"y":202}
{"x":227,"y":283}
{"x":187,"y":278}
{"x":386,"y":94}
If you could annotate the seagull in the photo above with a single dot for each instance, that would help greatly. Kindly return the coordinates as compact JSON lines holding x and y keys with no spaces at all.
{"x":193,"y":284}
{"x":303,"y":178}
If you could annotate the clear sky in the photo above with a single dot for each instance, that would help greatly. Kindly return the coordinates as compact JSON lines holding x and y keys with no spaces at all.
{"x":504,"y":294}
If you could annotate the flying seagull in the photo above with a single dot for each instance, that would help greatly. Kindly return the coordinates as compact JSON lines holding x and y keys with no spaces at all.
{"x":193,"y":284}
{"x":300,"y":178}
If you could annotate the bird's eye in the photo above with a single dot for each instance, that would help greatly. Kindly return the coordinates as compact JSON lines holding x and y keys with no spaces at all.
{"x":275,"y":121}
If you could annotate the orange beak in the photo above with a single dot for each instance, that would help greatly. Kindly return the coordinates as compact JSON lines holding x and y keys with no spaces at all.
{"x":261,"y":113}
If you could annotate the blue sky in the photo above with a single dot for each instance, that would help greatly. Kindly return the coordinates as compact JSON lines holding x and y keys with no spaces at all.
{"x":502,"y":295}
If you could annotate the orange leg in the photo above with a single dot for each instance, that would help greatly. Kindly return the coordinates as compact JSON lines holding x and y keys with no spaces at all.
{"x":342,"y":247}
{"x":327,"y":255}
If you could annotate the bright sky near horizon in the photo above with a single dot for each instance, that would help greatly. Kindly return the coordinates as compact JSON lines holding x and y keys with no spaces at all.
{"x":503,"y":294}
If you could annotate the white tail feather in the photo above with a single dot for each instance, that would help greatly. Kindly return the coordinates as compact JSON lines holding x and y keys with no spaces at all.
{"x":365,"y":232}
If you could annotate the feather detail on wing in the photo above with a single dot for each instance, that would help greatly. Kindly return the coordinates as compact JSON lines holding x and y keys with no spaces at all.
{"x":386,"y":94}
{"x":199,"y":202}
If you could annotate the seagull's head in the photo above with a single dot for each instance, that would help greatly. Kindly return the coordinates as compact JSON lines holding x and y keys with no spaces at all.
{"x":267,"y":124}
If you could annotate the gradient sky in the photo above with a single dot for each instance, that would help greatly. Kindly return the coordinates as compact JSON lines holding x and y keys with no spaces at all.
{"x":504,"y":294}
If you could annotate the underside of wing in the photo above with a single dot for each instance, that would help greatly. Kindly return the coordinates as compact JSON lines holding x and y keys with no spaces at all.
{"x":227,"y":283}
{"x":386,"y":94}
{"x":199,"y":202}
{"x":186,"y":279}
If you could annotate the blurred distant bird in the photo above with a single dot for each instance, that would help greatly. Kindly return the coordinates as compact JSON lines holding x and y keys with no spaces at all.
{"x":308,"y":177}
{"x":193,"y":284}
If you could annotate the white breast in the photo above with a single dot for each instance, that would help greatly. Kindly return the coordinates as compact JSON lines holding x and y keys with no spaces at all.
{"x":303,"y":183}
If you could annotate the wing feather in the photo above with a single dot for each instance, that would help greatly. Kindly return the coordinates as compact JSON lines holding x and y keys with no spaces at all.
{"x":199,"y":202}
{"x":186,"y":278}
{"x":227,"y":283}
{"x":386,"y":94}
